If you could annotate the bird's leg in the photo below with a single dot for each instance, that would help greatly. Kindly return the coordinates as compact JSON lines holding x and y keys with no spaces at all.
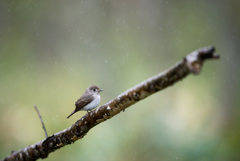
{"x":88,"y":111}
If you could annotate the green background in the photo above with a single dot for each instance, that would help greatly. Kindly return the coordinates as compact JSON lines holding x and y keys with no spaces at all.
{"x":51,"y":51}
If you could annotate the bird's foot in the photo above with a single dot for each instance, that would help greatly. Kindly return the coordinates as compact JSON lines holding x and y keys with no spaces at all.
{"x":88,"y":111}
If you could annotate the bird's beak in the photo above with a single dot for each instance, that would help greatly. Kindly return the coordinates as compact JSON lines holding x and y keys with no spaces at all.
{"x":100,"y":90}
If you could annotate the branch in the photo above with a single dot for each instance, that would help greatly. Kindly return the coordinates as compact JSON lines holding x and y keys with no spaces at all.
{"x":192,"y":63}
{"x":40,"y":117}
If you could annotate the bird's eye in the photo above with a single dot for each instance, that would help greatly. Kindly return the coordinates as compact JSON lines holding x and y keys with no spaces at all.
{"x":94,"y":90}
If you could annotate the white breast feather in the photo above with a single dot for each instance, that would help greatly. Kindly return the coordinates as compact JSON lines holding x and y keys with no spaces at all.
{"x":93,"y":104}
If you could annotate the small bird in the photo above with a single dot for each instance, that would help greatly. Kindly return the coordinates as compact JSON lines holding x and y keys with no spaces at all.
{"x":89,"y":100}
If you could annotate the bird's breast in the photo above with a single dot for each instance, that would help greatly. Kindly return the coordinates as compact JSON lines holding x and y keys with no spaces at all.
{"x":93,"y":104}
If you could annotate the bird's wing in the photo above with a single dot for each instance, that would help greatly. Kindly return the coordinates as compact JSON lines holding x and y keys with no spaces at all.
{"x":82,"y":102}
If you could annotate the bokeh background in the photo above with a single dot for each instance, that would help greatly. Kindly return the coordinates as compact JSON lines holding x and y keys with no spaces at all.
{"x":51,"y":51}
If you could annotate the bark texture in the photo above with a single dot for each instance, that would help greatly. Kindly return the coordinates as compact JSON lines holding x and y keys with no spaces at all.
{"x":192,"y":63}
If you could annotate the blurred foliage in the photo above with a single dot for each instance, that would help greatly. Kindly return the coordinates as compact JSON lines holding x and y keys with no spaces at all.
{"x":51,"y":51}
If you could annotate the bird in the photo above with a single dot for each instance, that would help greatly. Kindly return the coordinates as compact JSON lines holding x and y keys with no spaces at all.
{"x":89,"y":100}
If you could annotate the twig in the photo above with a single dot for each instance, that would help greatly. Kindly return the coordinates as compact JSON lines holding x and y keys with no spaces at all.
{"x":192,"y":63}
{"x":41,"y":121}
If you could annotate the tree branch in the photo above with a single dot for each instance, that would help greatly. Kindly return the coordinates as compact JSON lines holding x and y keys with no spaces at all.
{"x":40,"y":117}
{"x":192,"y":63}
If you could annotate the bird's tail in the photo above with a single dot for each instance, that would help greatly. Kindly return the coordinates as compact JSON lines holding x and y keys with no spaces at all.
{"x":71,"y":114}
